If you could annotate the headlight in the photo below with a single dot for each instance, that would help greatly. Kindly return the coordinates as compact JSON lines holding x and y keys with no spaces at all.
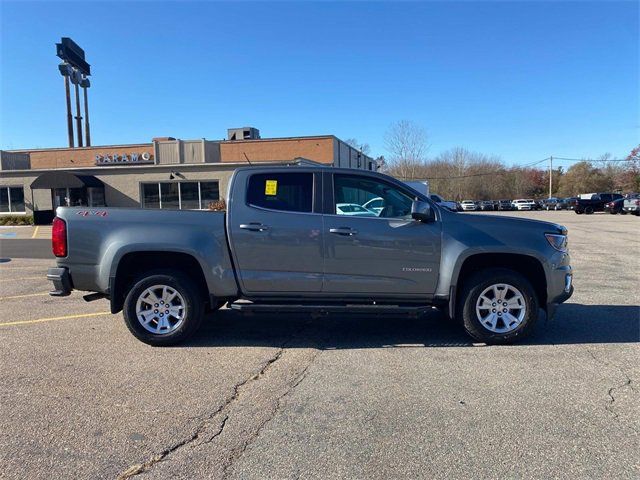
{"x":559,"y":242}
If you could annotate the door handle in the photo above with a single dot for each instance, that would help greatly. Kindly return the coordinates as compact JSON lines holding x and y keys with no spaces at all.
{"x":346,"y":231}
{"x":254,"y":227}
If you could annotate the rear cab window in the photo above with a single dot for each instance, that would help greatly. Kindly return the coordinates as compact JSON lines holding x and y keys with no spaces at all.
{"x":283,"y":191}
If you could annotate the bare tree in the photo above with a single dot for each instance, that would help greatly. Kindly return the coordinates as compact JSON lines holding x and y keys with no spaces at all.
{"x":363,"y":147}
{"x":407,"y":145}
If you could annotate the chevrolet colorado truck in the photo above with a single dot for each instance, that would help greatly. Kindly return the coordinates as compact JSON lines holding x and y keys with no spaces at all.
{"x":283,"y":246}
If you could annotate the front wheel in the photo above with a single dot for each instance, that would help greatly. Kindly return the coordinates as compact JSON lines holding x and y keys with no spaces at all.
{"x":163,"y":308}
{"x":498,"y":306}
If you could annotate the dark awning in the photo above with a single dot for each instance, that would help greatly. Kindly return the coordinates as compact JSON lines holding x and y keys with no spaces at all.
{"x":62,"y":179}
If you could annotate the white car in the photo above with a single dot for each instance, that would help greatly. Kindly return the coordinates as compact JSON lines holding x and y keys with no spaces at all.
{"x":442,"y":202}
{"x":354,"y":209}
{"x":524,"y":204}
{"x":469,"y":205}
{"x":375,"y":205}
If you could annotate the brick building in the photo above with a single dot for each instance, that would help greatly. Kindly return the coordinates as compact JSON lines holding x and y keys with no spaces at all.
{"x":164,"y":173}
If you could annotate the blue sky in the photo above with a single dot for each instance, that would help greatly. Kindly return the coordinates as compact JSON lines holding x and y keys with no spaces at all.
{"x":522,"y":80}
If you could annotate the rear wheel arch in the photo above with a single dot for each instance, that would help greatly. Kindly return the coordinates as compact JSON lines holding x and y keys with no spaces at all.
{"x":133,"y":265}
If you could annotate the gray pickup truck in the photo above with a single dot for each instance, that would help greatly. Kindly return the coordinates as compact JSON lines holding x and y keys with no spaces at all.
{"x":283,"y":246}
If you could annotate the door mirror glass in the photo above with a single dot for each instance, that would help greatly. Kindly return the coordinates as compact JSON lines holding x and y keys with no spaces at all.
{"x":422,"y":211}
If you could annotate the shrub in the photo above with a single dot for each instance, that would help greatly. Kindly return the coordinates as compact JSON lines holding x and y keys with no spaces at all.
{"x":16,"y":220}
{"x":217,"y":206}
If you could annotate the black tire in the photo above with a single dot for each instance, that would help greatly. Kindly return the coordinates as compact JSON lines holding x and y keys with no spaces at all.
{"x":578,"y":212}
{"x":471,"y":291}
{"x":193,"y":303}
{"x":588,"y":210}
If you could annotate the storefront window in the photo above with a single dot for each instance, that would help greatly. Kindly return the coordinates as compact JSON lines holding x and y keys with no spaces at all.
{"x":209,"y":192}
{"x":179,"y":195}
{"x":189,"y":196}
{"x":169,"y":196}
{"x":12,"y":200}
{"x":150,"y":195}
{"x":96,"y":197}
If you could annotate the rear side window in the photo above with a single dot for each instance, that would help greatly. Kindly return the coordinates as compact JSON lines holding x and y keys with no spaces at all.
{"x":289,"y":192}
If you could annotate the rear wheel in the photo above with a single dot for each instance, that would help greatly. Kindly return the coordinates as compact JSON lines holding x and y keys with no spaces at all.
{"x":163,"y":308}
{"x":588,"y":210}
{"x":498,"y":306}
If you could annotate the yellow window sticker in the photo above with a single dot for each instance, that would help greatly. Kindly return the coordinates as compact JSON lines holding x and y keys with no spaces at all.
{"x":271,"y":187}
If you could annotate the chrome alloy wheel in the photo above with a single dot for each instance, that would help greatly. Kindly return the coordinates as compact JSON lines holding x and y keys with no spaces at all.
{"x":160,"y":309}
{"x":501,"y":308}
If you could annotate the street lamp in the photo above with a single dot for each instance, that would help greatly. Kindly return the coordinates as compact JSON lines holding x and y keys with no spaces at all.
{"x":85,"y":83}
{"x":66,"y":71}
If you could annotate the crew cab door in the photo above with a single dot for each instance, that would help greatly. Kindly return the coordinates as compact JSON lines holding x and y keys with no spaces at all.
{"x":275,"y":231}
{"x":384,"y":252}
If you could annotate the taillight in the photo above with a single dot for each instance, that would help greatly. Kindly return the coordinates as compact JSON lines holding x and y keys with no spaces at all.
{"x":59,"y":237}
{"x":637,"y":202}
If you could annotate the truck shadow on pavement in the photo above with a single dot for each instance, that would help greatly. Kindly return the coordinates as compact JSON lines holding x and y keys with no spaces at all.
{"x":573,"y":324}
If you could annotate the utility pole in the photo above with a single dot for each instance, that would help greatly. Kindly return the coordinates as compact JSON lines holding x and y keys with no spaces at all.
{"x":550,"y":175}
{"x":76,"y":81}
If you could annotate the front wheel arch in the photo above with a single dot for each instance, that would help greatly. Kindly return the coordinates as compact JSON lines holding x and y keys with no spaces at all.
{"x":528,"y":266}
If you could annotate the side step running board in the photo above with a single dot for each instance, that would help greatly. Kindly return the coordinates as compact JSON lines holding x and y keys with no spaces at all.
{"x":319,"y":308}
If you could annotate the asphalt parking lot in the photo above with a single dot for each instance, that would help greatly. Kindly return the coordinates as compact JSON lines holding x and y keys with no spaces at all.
{"x":335,"y":397}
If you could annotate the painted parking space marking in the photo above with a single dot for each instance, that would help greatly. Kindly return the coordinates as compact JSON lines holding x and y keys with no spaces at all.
{"x":35,"y":232}
{"x":13,"y":297}
{"x":43,"y":277}
{"x":52,"y":319}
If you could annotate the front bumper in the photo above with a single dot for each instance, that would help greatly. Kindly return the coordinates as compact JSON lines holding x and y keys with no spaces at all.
{"x":61,"y":281}
{"x":560,"y":288}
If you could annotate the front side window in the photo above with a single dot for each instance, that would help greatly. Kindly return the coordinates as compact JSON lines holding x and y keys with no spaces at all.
{"x":379,"y":198}
{"x":12,"y":200}
{"x":290,"y":192}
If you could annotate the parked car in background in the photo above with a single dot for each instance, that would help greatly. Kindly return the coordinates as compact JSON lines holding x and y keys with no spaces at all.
{"x":631,"y":205}
{"x":486,"y":205}
{"x":505,"y":205}
{"x":453,"y":206}
{"x":354,"y":209}
{"x":615,"y":206}
{"x":523,"y":204}
{"x":469,"y":205}
{"x":571,"y":202}
{"x":594,"y":202}
{"x":551,"y":203}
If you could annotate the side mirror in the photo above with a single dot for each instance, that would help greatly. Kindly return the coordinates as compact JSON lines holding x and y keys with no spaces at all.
{"x":422,"y":211}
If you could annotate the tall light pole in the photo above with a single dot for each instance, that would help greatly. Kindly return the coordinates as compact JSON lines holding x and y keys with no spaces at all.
{"x":66,"y":70}
{"x":74,"y":67}
{"x":85,"y":84}
{"x":75,"y":79}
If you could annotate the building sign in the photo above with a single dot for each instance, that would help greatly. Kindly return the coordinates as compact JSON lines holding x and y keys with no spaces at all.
{"x":131,"y":158}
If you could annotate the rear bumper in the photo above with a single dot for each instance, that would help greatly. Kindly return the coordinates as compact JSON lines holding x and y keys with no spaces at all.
{"x":61,"y":279}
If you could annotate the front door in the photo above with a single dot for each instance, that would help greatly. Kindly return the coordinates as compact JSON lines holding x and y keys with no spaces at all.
{"x":276,"y":233}
{"x":379,"y":250}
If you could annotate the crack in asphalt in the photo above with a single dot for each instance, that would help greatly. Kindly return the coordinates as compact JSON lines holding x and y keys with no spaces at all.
{"x":237,"y":453}
{"x":627,"y":383}
{"x":143,"y":467}
{"x":140,"y":468}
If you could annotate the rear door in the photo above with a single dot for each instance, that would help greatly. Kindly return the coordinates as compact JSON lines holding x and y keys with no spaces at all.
{"x":276,"y":231}
{"x":388,"y":254}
